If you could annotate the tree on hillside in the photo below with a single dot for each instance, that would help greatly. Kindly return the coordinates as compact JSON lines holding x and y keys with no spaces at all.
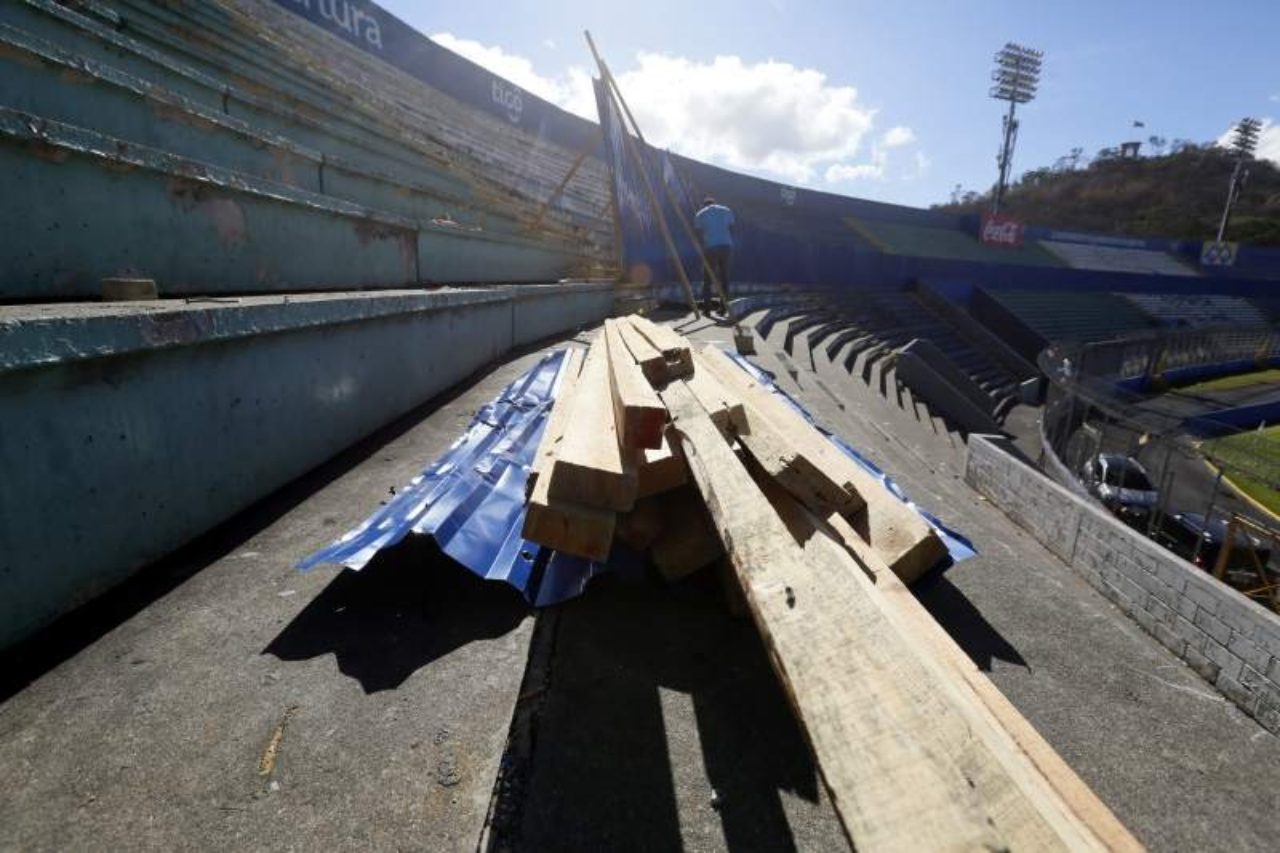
{"x":1176,"y":192}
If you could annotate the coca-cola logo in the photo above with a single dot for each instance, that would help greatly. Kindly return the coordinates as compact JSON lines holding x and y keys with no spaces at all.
{"x":999,"y":231}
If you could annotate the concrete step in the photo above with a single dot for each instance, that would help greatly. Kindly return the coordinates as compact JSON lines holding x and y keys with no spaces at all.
{"x":368,"y":142}
{"x":82,"y":207}
{"x":504,"y":151}
{"x":35,"y":79}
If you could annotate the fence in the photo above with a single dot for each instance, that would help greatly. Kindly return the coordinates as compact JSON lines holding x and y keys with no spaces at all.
{"x":1198,"y":480}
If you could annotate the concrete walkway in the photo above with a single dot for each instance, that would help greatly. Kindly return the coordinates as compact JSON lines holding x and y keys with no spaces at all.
{"x":223,"y":700}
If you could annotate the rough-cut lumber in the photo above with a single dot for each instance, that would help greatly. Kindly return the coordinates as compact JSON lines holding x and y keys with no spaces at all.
{"x":660,"y":470}
{"x":591,"y":468}
{"x":801,"y":459}
{"x":584,"y":531}
{"x":652,"y":363}
{"x":642,"y":525}
{"x":561,"y":407}
{"x":724,"y":406}
{"x":896,"y":531}
{"x":686,"y":540}
{"x":674,"y":348}
{"x":912,"y":618}
{"x":566,"y":526}
{"x":911,"y":758}
{"x":637,"y":411}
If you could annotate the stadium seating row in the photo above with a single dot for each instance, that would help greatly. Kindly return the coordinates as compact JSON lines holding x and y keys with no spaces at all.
{"x":1089,"y":256}
{"x":247,"y":149}
{"x":1198,"y":310}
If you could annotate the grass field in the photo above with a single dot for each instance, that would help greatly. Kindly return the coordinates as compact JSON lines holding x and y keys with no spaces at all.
{"x":1229,"y":383}
{"x":1251,"y":461}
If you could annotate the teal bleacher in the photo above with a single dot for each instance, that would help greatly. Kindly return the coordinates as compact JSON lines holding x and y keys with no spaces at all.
{"x":213,"y":148}
{"x":1062,"y":315}
{"x":1089,"y":256}
{"x":1199,"y":310}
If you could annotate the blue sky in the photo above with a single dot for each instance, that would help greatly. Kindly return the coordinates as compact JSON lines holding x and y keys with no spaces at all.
{"x":885,"y":100}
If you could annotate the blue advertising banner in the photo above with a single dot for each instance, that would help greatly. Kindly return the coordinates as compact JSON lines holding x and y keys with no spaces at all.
{"x":645,"y":256}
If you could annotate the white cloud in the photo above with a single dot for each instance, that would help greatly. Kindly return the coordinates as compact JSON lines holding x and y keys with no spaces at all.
{"x":571,"y":90}
{"x":549,"y":44}
{"x":897,"y":136}
{"x":771,"y":118}
{"x":1275,"y":99}
{"x":1268,"y":140}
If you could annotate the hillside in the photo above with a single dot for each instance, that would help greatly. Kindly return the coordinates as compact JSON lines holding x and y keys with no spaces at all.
{"x":1180,"y":194}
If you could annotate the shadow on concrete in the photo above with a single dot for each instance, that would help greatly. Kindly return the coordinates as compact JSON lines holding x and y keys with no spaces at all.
{"x":641,"y":672}
{"x":965,"y":623}
{"x":29,"y":659}
{"x":411,"y":605}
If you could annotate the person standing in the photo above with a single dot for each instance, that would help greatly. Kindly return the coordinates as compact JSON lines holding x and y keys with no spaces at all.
{"x":714,"y":223}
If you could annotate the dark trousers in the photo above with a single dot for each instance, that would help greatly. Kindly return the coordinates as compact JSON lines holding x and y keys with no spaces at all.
{"x":718,"y":264}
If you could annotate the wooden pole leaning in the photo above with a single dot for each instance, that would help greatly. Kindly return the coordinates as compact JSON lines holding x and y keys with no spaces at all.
{"x":688,"y":228}
{"x":629,"y":144}
{"x":555,"y":194}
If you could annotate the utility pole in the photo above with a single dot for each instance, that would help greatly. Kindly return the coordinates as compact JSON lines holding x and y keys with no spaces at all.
{"x":1016,"y":78}
{"x":1243,"y":144}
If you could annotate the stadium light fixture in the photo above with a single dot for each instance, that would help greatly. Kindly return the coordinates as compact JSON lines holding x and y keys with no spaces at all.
{"x":1016,"y":79}
{"x":1244,"y":141}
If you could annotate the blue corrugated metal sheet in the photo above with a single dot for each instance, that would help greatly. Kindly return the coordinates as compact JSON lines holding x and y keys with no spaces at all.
{"x":471,"y":499}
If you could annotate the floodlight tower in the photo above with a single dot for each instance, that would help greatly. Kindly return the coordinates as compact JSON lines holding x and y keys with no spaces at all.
{"x":1016,"y":78}
{"x":1243,"y":143}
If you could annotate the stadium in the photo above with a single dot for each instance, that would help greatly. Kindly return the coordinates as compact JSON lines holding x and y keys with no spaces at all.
{"x":285,"y":283}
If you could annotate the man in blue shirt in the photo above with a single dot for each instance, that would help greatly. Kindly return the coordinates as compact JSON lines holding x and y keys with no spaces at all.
{"x":714,"y":223}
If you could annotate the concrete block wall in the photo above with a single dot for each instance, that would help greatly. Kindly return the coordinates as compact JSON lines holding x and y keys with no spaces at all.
{"x":128,"y":430}
{"x":1230,"y":641}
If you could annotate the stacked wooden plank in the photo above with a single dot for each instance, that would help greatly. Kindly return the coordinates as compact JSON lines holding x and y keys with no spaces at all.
{"x":680,"y":453}
{"x":607,"y":454}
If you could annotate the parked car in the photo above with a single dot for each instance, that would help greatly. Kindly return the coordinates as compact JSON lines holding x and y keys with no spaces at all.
{"x":1180,"y":532}
{"x":1121,"y":484}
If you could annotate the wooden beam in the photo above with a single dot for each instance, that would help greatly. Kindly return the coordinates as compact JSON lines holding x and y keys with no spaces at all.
{"x":564,"y":182}
{"x":591,"y":467}
{"x":650,"y":358}
{"x":903,"y":539}
{"x":802,"y":460}
{"x":915,"y":621}
{"x":724,"y":406}
{"x":686,"y":540}
{"x":637,"y":411}
{"x":660,"y":470}
{"x":561,"y":406}
{"x":563,"y":525}
{"x":674,"y":348}
{"x":574,"y":528}
{"x":909,"y":758}
{"x":614,"y":96}
{"x":642,"y":525}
